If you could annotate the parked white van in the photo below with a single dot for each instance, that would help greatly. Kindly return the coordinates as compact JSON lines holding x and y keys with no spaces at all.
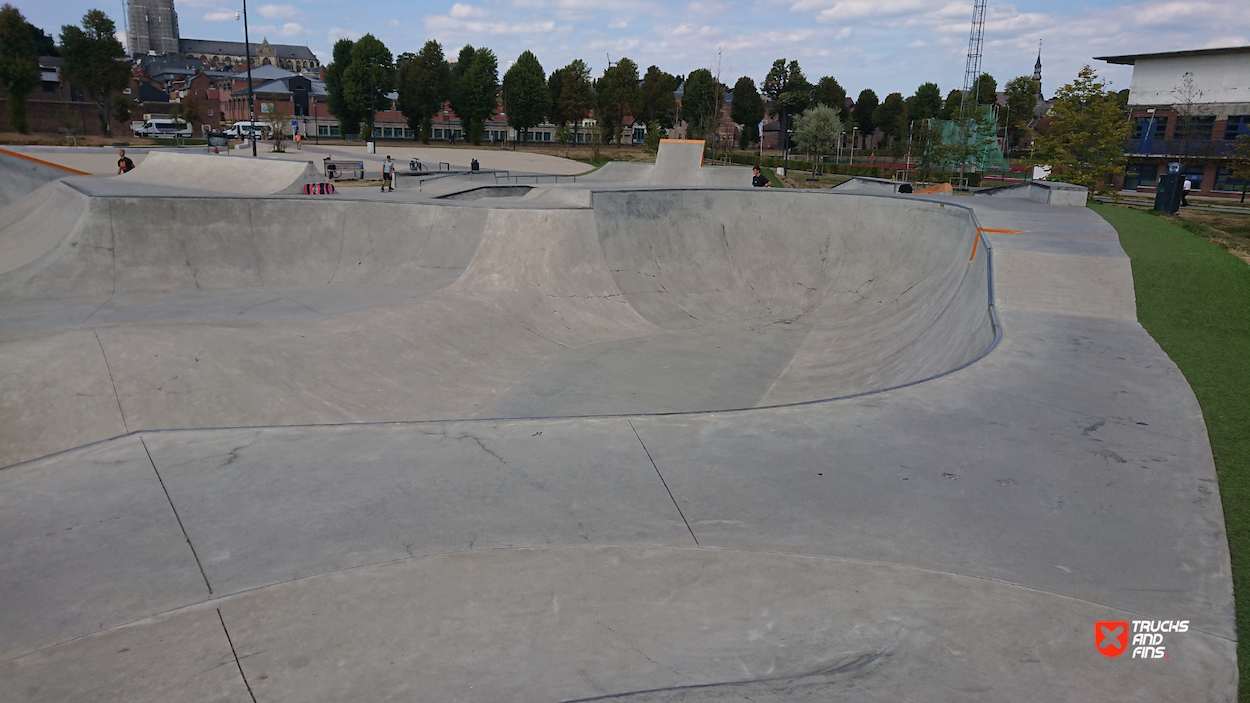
{"x":163,"y":128}
{"x":239,"y":130}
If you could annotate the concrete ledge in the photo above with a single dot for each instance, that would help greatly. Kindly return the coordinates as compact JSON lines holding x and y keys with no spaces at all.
{"x":1048,"y":192}
{"x":864,"y":184}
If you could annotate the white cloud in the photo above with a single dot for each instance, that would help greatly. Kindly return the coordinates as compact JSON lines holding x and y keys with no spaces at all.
{"x":394,"y":23}
{"x":461,"y":11}
{"x":273,"y":12}
{"x":843,"y":33}
{"x":293,"y":29}
{"x":337,"y":33}
{"x":619,"y":24}
{"x":219,"y":16}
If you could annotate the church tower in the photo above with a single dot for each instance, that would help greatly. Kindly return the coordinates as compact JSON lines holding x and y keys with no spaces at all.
{"x":1037,"y":69}
{"x":151,"y":25}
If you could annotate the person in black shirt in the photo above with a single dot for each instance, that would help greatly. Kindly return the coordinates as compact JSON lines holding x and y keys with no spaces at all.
{"x":759,"y":180}
{"x":124,"y":164}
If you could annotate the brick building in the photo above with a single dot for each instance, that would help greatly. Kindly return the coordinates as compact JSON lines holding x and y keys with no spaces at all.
{"x":1187,"y":107}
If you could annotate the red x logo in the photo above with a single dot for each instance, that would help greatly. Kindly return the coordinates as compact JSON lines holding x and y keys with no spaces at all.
{"x":1111,"y":636}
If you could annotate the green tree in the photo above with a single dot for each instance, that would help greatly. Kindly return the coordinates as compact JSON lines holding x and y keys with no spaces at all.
{"x":1240,"y":163}
{"x":655,"y":99}
{"x":191,"y":112}
{"x":865,"y":108}
{"x":93,"y":60}
{"x":891,"y":117}
{"x":929,"y":147}
{"x":423,"y":82}
{"x":790,"y":92}
{"x":829,"y":92}
{"x":45,"y":45}
{"x":701,"y":103}
{"x":616,"y":95}
{"x":19,"y":64}
{"x":367,"y":80}
{"x":926,"y":103}
{"x":336,"y":95}
{"x":572,"y":94}
{"x":747,"y":110}
{"x":817,"y":130}
{"x":476,"y":90}
{"x":525,"y":96}
{"x":1021,"y":100}
{"x":987,"y":89}
{"x":121,"y":110}
{"x":950,"y":108}
{"x":1085,"y":144}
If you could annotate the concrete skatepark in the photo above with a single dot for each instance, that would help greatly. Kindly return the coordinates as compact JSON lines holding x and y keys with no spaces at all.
{"x":648,"y":435}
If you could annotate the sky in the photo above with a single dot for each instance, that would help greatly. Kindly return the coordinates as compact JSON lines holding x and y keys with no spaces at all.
{"x":886,"y":45}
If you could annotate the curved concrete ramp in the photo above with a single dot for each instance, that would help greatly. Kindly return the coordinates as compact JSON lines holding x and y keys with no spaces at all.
{"x":496,"y":312}
{"x":25,"y":174}
{"x":218,"y":173}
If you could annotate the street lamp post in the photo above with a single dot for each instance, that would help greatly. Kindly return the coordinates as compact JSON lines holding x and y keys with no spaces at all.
{"x":251,"y":99}
{"x":853,"y":131}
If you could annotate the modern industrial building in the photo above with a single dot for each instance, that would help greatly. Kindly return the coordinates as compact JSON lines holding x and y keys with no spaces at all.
{"x":1187,"y":107}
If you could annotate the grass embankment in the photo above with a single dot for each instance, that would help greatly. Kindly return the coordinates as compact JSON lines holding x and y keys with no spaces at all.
{"x":1194,"y":299}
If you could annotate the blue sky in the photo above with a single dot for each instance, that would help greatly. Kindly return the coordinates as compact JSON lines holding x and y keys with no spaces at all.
{"x":886,"y":45}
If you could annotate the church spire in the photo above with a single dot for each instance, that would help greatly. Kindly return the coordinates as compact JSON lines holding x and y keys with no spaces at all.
{"x":1037,"y":67}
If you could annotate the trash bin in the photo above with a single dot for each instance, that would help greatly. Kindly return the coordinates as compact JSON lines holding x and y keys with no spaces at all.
{"x":473,"y":166}
{"x":371,"y":147}
{"x":1168,"y":195}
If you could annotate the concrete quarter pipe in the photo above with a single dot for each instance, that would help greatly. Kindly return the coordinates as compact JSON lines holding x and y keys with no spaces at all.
{"x":561,"y":446}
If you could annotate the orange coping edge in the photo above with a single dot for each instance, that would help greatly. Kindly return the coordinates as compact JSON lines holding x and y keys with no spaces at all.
{"x":684,"y":141}
{"x":987,"y":229}
{"x":940,"y":188}
{"x":45,"y":163}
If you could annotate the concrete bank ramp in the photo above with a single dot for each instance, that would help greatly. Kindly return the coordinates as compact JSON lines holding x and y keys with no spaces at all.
{"x":653,"y":301}
{"x":218,"y":173}
{"x":21,"y":174}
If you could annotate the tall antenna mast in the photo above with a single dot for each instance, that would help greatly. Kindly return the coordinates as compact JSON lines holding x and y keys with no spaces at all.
{"x":972,"y":69}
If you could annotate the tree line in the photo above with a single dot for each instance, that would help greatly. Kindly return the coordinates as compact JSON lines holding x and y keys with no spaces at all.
{"x":92,"y":59}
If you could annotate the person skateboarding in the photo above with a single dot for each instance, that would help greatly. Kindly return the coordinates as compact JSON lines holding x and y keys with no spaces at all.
{"x":758,"y":179}
{"x":124,"y":164}
{"x":388,"y":174}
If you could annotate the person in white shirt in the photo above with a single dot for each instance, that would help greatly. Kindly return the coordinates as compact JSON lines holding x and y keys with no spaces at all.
{"x":1185,"y":193}
{"x":388,"y":174}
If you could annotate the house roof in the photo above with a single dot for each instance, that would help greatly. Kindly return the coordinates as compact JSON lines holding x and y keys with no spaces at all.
{"x":236,"y":48}
{"x":265,"y":73}
{"x":282,"y":87}
{"x":1131,"y":59}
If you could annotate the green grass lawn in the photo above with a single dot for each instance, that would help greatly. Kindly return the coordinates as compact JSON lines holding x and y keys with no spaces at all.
{"x":1194,"y":299}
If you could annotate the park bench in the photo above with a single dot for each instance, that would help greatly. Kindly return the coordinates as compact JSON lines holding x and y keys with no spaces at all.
{"x":337,"y":168}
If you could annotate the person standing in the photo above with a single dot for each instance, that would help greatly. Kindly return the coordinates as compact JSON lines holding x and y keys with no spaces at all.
{"x":388,"y":174}
{"x":1185,"y":192}
{"x":758,"y":179}
{"x":299,"y":140}
{"x":124,"y":164}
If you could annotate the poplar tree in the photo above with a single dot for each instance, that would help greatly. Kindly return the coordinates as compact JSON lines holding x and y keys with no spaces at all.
{"x":525,"y":97}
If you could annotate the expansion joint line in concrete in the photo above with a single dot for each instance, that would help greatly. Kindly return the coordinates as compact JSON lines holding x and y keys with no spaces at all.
{"x":236,"y":655}
{"x":111,"y":381}
{"x":177,"y":516}
{"x":666,"y":488}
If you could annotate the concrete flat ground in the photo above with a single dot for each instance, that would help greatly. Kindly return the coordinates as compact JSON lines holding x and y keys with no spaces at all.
{"x":576,"y":453}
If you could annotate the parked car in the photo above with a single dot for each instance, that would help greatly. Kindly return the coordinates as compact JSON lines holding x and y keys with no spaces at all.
{"x":159,"y":128}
